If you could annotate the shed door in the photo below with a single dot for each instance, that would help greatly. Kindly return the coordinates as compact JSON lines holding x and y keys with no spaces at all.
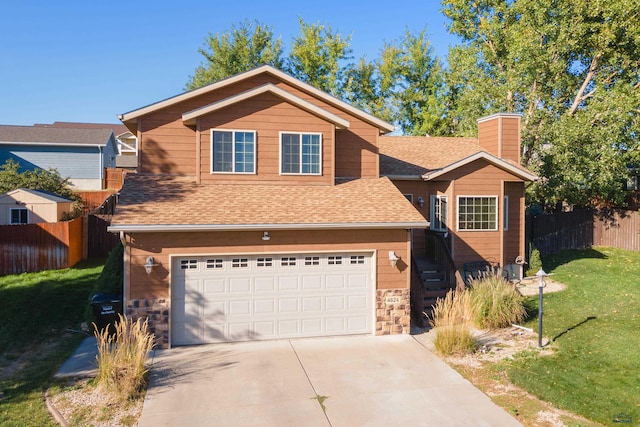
{"x":261,"y":297}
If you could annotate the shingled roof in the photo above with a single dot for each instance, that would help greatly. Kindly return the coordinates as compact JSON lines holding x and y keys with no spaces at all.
{"x":427,"y":157}
{"x":54,"y":135}
{"x":176,"y":203}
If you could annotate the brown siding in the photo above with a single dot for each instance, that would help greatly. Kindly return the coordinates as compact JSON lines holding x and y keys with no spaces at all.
{"x":160,"y":246}
{"x":500,"y":136}
{"x":514,"y":244}
{"x":478,"y":178}
{"x":168,"y":146}
{"x":268,"y":115}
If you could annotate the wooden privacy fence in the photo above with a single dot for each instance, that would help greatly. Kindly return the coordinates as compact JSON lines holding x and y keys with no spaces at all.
{"x":44,"y":246}
{"x":584,"y":228}
{"x":92,"y":200}
{"x":100,"y":240}
{"x":113,"y":178}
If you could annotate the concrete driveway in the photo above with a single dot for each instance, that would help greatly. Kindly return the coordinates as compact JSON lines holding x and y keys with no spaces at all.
{"x":359,"y":380}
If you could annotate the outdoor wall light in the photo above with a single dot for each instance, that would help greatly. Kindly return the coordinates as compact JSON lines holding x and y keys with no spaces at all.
{"x":265,"y":236}
{"x":420,"y":201}
{"x":148,"y":266}
{"x":393,"y":259}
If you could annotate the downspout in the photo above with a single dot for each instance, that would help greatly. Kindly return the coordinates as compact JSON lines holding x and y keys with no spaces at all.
{"x":101,"y":168}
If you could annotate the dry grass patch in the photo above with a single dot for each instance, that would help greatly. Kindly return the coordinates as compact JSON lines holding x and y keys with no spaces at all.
{"x":496,"y":303}
{"x":122,"y":357}
{"x":452,"y":319}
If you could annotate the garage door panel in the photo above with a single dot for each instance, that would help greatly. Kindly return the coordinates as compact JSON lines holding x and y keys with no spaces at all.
{"x":288,"y":283}
{"x":239,"y":285}
{"x":264,"y":306}
{"x":239,"y":298}
{"x":265,"y":284}
{"x":214,"y":286}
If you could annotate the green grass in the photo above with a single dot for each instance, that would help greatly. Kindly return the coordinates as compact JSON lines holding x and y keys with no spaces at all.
{"x":36,"y":309}
{"x":594,"y":328}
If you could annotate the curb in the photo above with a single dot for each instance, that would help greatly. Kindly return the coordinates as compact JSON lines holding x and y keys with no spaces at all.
{"x":53,"y":411}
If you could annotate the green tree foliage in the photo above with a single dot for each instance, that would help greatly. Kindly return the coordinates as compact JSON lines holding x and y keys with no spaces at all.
{"x":571,"y":67}
{"x":243,"y":47}
{"x":11,"y":178}
{"x":317,"y":55}
{"x":405,"y":86}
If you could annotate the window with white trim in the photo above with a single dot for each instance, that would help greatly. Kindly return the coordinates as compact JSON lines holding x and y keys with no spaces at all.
{"x":214,"y":263}
{"x":300,"y":153}
{"x":265,"y":262}
{"x":478,"y":213}
{"x":19,"y":216}
{"x":357,"y":259}
{"x":409,"y":197}
{"x":233,"y":151}
{"x":311,"y":260}
{"x":188,"y":264}
{"x":239,"y":262}
{"x":288,"y":261}
{"x":505,"y":213}
{"x":334,"y":260}
{"x":439,"y":212}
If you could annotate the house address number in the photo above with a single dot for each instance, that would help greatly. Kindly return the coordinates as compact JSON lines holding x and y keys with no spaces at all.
{"x":393,"y":300}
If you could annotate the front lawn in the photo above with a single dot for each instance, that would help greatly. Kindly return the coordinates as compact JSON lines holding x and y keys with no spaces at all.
{"x":39,"y":313}
{"x":594,"y":328}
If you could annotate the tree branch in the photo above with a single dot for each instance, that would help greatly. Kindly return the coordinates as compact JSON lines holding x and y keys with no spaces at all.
{"x":579,"y":96}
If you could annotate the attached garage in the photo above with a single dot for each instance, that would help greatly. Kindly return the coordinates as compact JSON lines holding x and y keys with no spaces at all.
{"x":270,"y":296}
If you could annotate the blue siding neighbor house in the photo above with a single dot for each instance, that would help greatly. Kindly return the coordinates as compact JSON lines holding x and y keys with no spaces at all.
{"x":78,"y":154}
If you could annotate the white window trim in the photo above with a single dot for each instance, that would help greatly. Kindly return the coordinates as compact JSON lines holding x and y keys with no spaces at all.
{"x":409,"y":197}
{"x":476,"y":230}
{"x":233,"y":163}
{"x":280,"y":153}
{"x":11,"y":216}
{"x":505,"y":213}
{"x":432,"y":211}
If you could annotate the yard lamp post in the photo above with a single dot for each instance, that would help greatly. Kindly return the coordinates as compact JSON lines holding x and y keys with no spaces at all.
{"x":541,"y":275}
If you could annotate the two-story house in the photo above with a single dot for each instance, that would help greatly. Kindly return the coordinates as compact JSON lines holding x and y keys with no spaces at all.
{"x":264,"y":209}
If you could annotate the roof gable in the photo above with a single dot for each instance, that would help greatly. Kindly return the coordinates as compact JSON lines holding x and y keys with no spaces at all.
{"x":190,"y":117}
{"x":37,"y":194}
{"x":427,"y":158}
{"x":383,"y":126}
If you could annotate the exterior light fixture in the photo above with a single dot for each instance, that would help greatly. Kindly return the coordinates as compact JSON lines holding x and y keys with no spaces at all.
{"x":541,"y":275}
{"x":148,"y":266}
{"x":420,"y":201}
{"x":393,"y":259}
{"x":265,"y":236}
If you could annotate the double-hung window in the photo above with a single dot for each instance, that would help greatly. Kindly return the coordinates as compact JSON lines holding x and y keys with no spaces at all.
{"x":19,"y":216}
{"x":233,"y":151}
{"x":300,"y":153}
{"x":439,"y":210}
{"x":477,"y":213}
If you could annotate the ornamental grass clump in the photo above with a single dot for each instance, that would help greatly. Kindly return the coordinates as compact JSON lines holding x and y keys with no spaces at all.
{"x":451,"y":319}
{"x":496,"y":303}
{"x":122,"y":357}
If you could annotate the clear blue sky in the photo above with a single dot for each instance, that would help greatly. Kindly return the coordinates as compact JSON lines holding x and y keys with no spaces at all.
{"x":89,"y":60}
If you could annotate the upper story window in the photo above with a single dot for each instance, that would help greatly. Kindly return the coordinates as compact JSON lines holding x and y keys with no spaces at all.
{"x":300,"y":153}
{"x":439,"y":213}
{"x":233,"y":151}
{"x":477,"y":213}
{"x":19,"y":216}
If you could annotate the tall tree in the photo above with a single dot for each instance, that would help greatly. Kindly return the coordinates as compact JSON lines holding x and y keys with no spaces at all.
{"x":317,"y":57}
{"x":571,"y":67}
{"x":405,"y":86}
{"x":243,"y":47}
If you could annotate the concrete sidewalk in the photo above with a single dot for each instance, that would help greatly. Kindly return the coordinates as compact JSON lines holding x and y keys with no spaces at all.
{"x":82,"y":363}
{"x":341,"y":381}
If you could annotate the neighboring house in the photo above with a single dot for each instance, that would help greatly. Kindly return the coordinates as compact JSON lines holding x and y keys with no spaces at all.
{"x":127,"y":142}
{"x":78,"y":154}
{"x":24,"y":206}
{"x":259,"y":212}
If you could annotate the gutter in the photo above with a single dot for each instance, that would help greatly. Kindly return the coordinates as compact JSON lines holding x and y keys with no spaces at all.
{"x":167,"y":228}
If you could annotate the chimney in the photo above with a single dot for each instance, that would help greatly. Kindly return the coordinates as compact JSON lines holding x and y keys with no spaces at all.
{"x":499,"y":134}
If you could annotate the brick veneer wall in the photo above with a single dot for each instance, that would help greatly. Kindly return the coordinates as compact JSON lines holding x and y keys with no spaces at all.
{"x":393,"y":311}
{"x":157,"y":312}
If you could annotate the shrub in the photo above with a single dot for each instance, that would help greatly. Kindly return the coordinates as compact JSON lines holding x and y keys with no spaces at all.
{"x":535,"y":261}
{"x":452,"y":319}
{"x":496,"y":303}
{"x":122,"y":357}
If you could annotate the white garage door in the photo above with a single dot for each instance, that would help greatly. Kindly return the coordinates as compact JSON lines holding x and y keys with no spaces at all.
{"x":258,"y":297}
